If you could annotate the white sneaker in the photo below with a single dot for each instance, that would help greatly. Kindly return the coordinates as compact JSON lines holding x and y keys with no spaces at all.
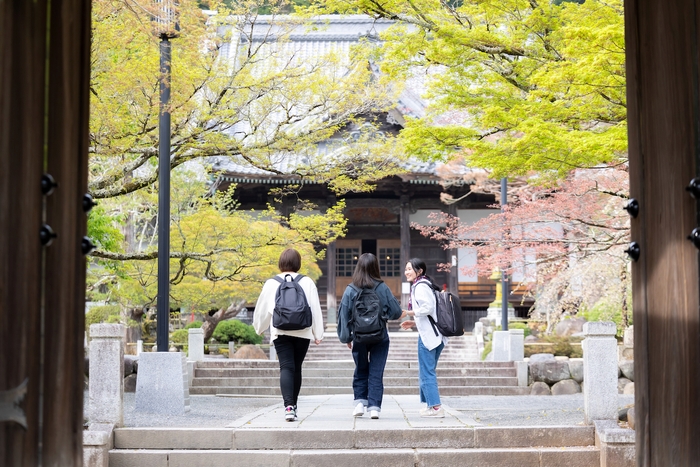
{"x":431,"y":412}
{"x":359,"y":410}
{"x":374,"y":414}
{"x":290,"y":414}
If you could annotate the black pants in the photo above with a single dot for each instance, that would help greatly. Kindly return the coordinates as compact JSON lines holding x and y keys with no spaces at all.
{"x":291,"y":352}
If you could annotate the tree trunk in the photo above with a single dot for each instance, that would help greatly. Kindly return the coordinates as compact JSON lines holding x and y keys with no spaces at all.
{"x":210,"y":322}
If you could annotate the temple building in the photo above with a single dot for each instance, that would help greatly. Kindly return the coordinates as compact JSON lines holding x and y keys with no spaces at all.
{"x":379,"y":221}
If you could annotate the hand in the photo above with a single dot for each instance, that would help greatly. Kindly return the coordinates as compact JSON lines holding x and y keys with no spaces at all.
{"x":404,"y":313}
{"x":317,"y":341}
{"x":408,"y":324}
{"x":349,"y":344}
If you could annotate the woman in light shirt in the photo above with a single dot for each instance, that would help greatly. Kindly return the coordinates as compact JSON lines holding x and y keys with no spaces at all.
{"x":421,"y":305}
{"x":291,"y":346}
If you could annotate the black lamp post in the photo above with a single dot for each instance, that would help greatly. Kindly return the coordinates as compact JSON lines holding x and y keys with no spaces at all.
{"x":166,"y":27}
{"x":504,"y":276}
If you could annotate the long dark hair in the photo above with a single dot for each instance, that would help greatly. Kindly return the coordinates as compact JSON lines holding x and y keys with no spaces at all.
{"x":419,"y":264}
{"x":366,"y":271}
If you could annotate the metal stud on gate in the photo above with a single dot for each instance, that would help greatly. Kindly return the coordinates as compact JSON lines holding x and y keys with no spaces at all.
{"x":633,"y":250}
{"x":632,"y":207}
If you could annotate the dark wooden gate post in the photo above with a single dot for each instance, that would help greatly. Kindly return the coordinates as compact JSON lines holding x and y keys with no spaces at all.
{"x":664,"y":146}
{"x":43,"y":129}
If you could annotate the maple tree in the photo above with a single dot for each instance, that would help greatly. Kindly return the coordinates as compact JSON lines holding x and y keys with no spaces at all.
{"x":568,"y":242}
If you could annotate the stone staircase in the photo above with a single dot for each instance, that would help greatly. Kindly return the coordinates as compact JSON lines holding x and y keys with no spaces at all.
{"x":261,"y":377}
{"x":404,"y":347}
{"x":325,"y":436}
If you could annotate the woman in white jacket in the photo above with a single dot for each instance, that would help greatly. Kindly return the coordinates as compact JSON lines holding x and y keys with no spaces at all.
{"x":422,"y":304}
{"x":291,"y":346}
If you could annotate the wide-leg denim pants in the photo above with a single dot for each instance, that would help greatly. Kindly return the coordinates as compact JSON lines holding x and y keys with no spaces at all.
{"x":427,"y":376}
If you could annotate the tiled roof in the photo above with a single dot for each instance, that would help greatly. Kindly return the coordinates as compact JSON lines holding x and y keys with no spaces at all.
{"x":328,"y":33}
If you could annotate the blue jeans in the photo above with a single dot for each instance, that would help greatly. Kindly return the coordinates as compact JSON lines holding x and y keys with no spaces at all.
{"x":427,"y":378}
{"x":368,"y":380}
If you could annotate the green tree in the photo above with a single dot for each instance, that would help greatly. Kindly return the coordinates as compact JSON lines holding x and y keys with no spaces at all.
{"x":236,"y":91}
{"x":234,"y":97}
{"x":514,"y":86}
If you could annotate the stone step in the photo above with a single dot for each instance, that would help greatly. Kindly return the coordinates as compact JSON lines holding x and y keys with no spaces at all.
{"x":483,"y":446}
{"x":347,"y":389}
{"x":389,"y":381}
{"x":344,"y":363}
{"x":243,"y":438}
{"x":329,"y":372}
{"x":505,"y":457}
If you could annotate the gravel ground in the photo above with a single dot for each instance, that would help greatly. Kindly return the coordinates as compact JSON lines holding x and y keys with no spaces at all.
{"x":216,"y":412}
{"x":526,"y":410}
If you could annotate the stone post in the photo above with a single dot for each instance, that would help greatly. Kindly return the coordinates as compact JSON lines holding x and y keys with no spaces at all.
{"x":96,"y":446}
{"x":501,"y":346}
{"x":106,"y":384}
{"x":162,"y":383}
{"x":195,"y":344}
{"x":599,"y":371}
{"x":479,"y":334}
{"x":517,"y":345}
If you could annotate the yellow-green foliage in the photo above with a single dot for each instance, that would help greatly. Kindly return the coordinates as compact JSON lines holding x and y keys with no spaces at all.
{"x":543,"y":81}
{"x":102,"y":314}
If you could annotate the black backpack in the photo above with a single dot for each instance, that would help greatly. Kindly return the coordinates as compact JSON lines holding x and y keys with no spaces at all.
{"x":367,"y":323}
{"x":449,"y":314}
{"x":292,"y":311}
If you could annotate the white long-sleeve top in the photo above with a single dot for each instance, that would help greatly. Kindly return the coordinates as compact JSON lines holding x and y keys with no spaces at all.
{"x":266,"y":305}
{"x":423,"y":304}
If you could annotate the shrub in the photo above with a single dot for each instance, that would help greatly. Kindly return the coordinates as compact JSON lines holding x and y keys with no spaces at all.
{"x":235,"y":330}
{"x":194,"y":324}
{"x":102,"y":314}
{"x":181,"y":336}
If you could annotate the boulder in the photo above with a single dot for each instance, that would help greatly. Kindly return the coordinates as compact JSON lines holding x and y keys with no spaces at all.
{"x":625,"y":353}
{"x":541,"y":357}
{"x":629,"y":388}
{"x":130,"y":383}
{"x":129,"y":366}
{"x":529,"y":339}
{"x":540,"y":389}
{"x":622,"y":414}
{"x":569,"y":327}
{"x":621,"y":383}
{"x":250,"y":352}
{"x":627,"y":369}
{"x":576,"y":369}
{"x":567,"y":386}
{"x":549,"y":372}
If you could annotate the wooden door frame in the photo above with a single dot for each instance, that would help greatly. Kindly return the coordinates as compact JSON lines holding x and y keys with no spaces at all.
{"x":44,"y":120}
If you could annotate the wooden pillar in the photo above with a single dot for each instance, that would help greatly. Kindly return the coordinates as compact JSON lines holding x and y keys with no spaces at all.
{"x":43,"y":128}
{"x":452,"y":254}
{"x":405,"y":222}
{"x":663,"y":88}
